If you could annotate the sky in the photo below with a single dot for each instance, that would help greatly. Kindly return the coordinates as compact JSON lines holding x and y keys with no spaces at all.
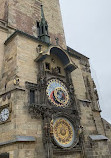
{"x":87,"y":26}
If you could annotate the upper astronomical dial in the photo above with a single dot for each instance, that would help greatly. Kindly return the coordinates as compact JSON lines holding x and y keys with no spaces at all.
{"x":57,"y":93}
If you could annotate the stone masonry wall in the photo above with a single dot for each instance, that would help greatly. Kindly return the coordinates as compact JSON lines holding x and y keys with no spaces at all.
{"x":28,"y":126}
{"x":3,"y":37}
{"x":9,"y":66}
{"x":17,"y":61}
{"x":27,"y":68}
{"x":89,"y":110}
{"x":3,"y":10}
{"x":21,"y":124}
{"x":78,"y":81}
{"x":8,"y":129}
{"x":23,"y":15}
{"x":74,"y":155}
{"x":54,"y":18}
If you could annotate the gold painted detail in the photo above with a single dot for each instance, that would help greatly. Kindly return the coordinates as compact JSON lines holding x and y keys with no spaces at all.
{"x":61,"y":95}
{"x":57,"y":93}
{"x":16,"y":81}
{"x":63,"y":131}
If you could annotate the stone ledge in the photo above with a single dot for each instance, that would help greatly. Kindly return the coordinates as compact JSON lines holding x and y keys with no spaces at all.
{"x":98,"y":137}
{"x":19,"y":139}
{"x":12,"y":89}
{"x":84,"y":100}
{"x":18,"y":32}
{"x":67,"y":151}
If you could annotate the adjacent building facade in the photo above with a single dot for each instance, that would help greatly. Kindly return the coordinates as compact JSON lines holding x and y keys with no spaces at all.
{"x":49,"y":105}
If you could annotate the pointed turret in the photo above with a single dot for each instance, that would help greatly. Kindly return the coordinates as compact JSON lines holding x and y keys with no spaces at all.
{"x":43,"y":33}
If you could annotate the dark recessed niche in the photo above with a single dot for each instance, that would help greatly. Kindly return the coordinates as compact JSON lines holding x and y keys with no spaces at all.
{"x":4,"y":155}
{"x":32,"y":96}
{"x":38,"y":26}
{"x":59,"y":69}
{"x":47,"y":66}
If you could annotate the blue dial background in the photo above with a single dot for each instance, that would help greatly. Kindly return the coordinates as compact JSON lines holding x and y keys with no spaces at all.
{"x":54,"y":84}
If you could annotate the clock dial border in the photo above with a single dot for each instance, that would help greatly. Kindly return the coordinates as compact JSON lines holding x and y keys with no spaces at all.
{"x":75,"y":137}
{"x":4,"y":114}
{"x":54,"y":87}
{"x":9,"y":107}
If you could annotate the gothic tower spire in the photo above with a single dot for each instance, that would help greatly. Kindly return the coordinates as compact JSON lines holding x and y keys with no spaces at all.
{"x":43,"y":33}
{"x":42,"y":13}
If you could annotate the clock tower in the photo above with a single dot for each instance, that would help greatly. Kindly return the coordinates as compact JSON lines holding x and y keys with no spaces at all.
{"x":49,"y":106}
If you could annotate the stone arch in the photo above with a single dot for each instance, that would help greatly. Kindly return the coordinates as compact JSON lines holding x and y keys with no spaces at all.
{"x":61,"y":54}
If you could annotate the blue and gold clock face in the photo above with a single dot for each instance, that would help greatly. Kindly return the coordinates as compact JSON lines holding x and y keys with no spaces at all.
{"x":57,"y":93}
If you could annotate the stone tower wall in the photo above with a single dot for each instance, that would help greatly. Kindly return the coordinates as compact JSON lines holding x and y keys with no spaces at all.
{"x":17,"y":61}
{"x":3,"y":37}
{"x":3,"y":10}
{"x":9,"y":65}
{"x":24,"y":15}
{"x":53,"y":16}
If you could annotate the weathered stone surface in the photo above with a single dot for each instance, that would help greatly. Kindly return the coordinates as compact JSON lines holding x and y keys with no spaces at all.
{"x":3,"y":34}
{"x":23,"y":15}
{"x":18,"y":66}
{"x":3,"y":10}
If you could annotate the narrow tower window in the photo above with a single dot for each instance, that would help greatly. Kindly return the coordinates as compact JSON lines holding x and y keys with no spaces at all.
{"x":47,"y":66}
{"x":46,"y":30}
{"x":38,"y":28}
{"x":42,"y":30}
{"x":32,"y":96}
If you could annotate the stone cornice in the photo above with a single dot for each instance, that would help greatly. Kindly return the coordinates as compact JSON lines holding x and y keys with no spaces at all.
{"x":18,"y":32}
{"x":19,"y":139}
{"x":12,"y":89}
{"x":75,"y":53}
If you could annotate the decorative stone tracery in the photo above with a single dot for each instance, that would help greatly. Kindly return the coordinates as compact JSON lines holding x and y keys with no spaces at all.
{"x":50,"y":112}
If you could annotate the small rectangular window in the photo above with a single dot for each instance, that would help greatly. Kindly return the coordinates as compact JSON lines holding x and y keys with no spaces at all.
{"x":4,"y":155}
{"x":32,"y":96}
{"x":38,"y":28}
{"x":38,"y":24}
{"x":47,"y":66}
{"x":42,"y":30}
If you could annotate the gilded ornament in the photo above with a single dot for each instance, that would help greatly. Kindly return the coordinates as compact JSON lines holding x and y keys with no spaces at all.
{"x":57,"y":93}
{"x":63,"y":132}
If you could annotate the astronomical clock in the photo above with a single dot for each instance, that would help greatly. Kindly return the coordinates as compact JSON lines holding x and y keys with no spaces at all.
{"x":56,"y":101}
{"x":64,"y":133}
{"x":57,"y":93}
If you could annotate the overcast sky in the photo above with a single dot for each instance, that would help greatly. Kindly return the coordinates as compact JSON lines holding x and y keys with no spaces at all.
{"x":87,"y":25}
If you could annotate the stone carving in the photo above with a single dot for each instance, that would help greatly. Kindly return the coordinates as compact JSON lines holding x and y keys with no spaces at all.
{"x":91,"y":93}
{"x":55,"y":71}
{"x":6,"y":96}
{"x":46,"y":110}
{"x":57,"y":40}
{"x":16,"y":81}
{"x":9,"y":95}
{"x":63,"y":132}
